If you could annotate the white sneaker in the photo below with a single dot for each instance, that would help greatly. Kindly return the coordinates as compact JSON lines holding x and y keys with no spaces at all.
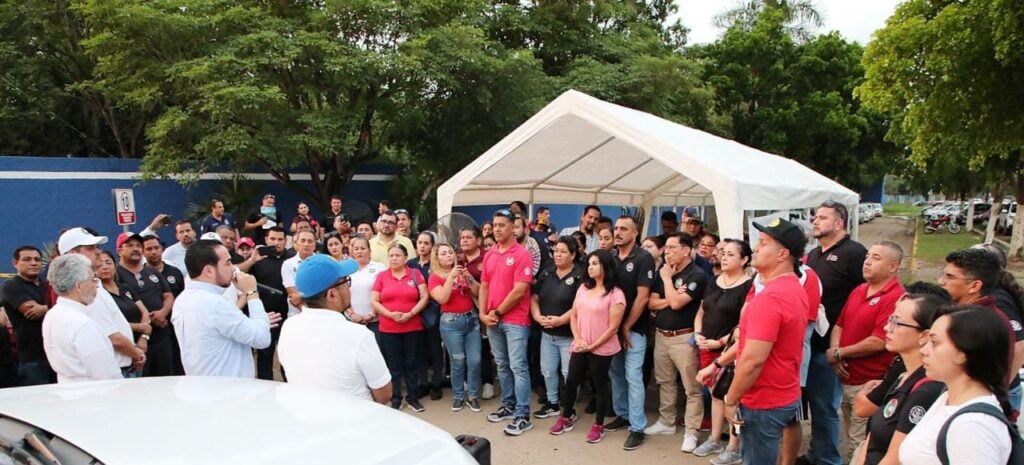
{"x":659,"y":428}
{"x":689,"y":443}
{"x":488,"y":391}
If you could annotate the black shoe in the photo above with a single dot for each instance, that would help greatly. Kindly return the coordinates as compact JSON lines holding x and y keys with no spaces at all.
{"x":415,"y":405}
{"x":803,"y":460}
{"x":591,"y":406}
{"x":435,"y":393}
{"x":422,"y":392}
{"x":617,"y":424}
{"x":473,"y":404}
{"x":457,"y":404}
{"x":518,"y":426}
{"x":503,"y":413}
{"x":547,"y":410}
{"x":396,"y":404}
{"x":635,"y":439}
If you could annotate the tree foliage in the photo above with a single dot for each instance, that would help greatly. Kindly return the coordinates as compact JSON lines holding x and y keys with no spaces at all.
{"x":949,"y":73}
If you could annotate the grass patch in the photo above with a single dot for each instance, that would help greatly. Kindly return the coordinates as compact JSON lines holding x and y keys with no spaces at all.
{"x":934,"y":247}
{"x":901,"y":209}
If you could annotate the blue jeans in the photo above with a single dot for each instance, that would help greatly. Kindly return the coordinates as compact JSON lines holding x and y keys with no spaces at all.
{"x":461,"y":335}
{"x":36,"y":373}
{"x":628,"y":389}
{"x":823,"y":394}
{"x":1015,"y":393}
{"x":762,"y":432}
{"x":510,"y":344}
{"x":554,"y":357}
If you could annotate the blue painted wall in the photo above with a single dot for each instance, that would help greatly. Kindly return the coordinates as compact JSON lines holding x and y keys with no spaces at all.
{"x":564,"y":215}
{"x":875,"y":193}
{"x":37,"y":209}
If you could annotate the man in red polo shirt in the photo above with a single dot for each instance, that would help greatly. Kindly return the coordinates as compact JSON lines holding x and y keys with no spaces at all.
{"x":766,"y":386}
{"x":857,"y":351}
{"x":505,"y":310}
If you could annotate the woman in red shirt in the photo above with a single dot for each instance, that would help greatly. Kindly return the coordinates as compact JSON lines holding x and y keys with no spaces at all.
{"x":398,"y":297}
{"x":454,"y":288}
{"x":596,"y":314}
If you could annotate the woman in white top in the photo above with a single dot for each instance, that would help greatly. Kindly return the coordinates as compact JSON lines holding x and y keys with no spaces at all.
{"x":362,"y":284}
{"x":966,"y":350}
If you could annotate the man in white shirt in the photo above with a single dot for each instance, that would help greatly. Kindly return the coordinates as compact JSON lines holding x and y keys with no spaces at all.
{"x":175,"y":254}
{"x":103,"y":310}
{"x":305,"y":247}
{"x":75,"y":347}
{"x":587,"y":226}
{"x":215,"y":337}
{"x":320,"y":347}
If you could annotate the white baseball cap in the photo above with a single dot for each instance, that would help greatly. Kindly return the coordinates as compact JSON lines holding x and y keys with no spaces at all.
{"x":76,"y":237}
{"x":210,"y":236}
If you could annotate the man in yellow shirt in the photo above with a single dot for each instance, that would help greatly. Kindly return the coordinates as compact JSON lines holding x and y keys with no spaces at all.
{"x":386,"y":236}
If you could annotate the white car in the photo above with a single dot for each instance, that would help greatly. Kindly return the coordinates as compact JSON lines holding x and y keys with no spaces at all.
{"x":1006,"y":218}
{"x":206,"y":420}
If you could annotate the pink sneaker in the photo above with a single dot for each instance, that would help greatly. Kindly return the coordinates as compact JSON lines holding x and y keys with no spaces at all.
{"x":596,"y":433}
{"x":563,"y":425}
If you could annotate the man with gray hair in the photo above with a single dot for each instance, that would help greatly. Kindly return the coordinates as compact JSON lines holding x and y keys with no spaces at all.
{"x":75,"y":346}
{"x":857,"y":351}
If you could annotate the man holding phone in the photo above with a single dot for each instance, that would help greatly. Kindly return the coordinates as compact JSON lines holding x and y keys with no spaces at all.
{"x":335,"y":218}
{"x":265,"y":265}
{"x":215,"y":338}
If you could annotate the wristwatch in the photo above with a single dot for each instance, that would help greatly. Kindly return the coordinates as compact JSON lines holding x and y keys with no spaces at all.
{"x":836,"y":355}
{"x":715,"y":362}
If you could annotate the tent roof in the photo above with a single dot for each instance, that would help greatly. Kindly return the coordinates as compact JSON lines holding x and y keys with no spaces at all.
{"x":580,"y":150}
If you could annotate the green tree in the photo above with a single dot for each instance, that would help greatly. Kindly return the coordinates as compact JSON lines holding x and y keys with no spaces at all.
{"x":950,"y":73}
{"x":796,"y":99}
{"x":800,"y":17}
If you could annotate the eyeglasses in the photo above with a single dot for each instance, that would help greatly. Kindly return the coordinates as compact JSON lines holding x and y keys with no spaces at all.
{"x":387,"y":221}
{"x":893,"y":322}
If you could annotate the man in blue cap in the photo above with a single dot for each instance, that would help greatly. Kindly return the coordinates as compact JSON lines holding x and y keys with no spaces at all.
{"x":320,"y":347}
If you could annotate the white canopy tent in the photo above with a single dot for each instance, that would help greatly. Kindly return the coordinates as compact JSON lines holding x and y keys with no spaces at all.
{"x":582,"y":150}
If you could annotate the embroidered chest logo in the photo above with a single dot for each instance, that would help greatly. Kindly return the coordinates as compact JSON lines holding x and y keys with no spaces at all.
{"x":154,"y":279}
{"x":890,"y":408}
{"x":172,"y":279}
{"x":692,"y":286}
{"x":569,"y":281}
{"x":832,"y":258}
{"x":679,"y":283}
{"x":629,"y":267}
{"x":874,"y":301}
{"x":411,"y":283}
{"x":511,"y":261}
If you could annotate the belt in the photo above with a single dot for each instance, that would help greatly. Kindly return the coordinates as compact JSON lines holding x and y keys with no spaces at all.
{"x":673,"y":333}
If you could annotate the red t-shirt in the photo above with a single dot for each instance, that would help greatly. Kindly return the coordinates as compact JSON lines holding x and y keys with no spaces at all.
{"x":399,"y":295}
{"x":459,"y":301}
{"x":777,"y":314}
{"x":812,"y":286}
{"x":501,"y":271}
{"x":864,"y":316}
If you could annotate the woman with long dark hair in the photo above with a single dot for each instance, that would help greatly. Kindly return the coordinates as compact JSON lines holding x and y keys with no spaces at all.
{"x":963,"y":350}
{"x":896,"y":403}
{"x":552,"y":300}
{"x":595,"y":317}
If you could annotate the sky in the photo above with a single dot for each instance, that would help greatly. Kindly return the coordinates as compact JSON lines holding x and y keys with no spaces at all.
{"x":855,"y":20}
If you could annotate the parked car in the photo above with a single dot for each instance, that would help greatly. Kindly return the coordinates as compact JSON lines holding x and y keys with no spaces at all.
{"x":1006,"y":218}
{"x":981,"y":211}
{"x":207,"y":420}
{"x":876,"y":208}
{"x":951,"y":209}
{"x":864,"y":213}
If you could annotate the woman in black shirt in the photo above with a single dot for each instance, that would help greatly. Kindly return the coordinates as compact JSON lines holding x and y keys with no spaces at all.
{"x":718,"y":316}
{"x":131,"y":307}
{"x":897,"y":402}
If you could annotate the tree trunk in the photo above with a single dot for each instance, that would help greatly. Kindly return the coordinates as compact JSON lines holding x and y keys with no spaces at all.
{"x":1017,"y":237}
{"x":993,"y":213}
{"x":969,"y":221}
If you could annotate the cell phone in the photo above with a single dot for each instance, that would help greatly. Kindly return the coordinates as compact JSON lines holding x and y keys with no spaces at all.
{"x":166,"y":220}
{"x":738,"y":419}
{"x":266,"y":250}
{"x":460,"y":259}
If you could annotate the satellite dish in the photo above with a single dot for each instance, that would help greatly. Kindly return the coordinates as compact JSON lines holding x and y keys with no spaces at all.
{"x":447,"y":227}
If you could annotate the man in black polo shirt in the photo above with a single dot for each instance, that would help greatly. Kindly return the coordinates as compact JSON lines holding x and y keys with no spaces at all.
{"x":152,"y":251}
{"x":267,"y":271}
{"x":839,"y":262}
{"x":636,"y":276}
{"x":24,"y":298}
{"x":675,"y":299}
{"x":150,"y":287}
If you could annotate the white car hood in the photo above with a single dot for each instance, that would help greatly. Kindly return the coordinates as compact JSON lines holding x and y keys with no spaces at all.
{"x":208,"y":420}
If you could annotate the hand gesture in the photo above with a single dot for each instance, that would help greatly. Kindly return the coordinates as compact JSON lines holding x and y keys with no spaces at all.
{"x":274,"y":318}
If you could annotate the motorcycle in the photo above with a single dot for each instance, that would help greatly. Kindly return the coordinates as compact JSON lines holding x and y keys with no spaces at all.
{"x":937,"y":222}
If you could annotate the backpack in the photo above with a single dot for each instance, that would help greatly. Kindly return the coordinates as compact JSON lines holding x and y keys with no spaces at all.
{"x":1017,"y":445}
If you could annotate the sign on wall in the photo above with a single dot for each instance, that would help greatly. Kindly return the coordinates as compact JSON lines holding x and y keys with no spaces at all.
{"x":124,"y":206}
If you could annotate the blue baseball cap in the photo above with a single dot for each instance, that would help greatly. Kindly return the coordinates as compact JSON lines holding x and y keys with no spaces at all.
{"x":321,"y":272}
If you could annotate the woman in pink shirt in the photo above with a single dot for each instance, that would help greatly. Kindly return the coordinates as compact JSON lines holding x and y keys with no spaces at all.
{"x":596,"y":314}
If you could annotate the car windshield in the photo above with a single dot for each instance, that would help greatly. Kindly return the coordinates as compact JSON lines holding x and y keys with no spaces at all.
{"x":20,"y":439}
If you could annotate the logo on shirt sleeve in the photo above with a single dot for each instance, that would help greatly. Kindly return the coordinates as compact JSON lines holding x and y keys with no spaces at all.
{"x":527,"y":271}
{"x":679,"y":283}
{"x":172,"y":279}
{"x":650,"y":274}
{"x":692,"y":287}
{"x":890,"y":408}
{"x":916,"y":414}
{"x":1015,"y":325}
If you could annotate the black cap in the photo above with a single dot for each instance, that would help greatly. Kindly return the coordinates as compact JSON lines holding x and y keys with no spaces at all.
{"x":788,"y":234}
{"x":669,"y":216}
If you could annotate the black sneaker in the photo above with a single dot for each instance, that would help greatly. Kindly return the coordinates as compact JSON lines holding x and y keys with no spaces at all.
{"x":617,"y":424}
{"x":547,"y":410}
{"x":503,"y":413}
{"x":415,"y":405}
{"x":435,"y":393}
{"x":474,"y":404}
{"x":422,"y":392}
{"x":457,"y":404}
{"x":396,"y":404}
{"x":518,"y":426}
{"x":635,"y":439}
{"x":591,"y":406}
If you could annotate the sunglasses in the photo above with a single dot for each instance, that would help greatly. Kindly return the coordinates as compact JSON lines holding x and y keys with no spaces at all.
{"x":401,"y":211}
{"x":506,"y":213}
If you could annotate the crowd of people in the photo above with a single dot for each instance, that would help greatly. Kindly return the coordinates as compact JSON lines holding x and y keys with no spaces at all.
{"x":744,"y":340}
